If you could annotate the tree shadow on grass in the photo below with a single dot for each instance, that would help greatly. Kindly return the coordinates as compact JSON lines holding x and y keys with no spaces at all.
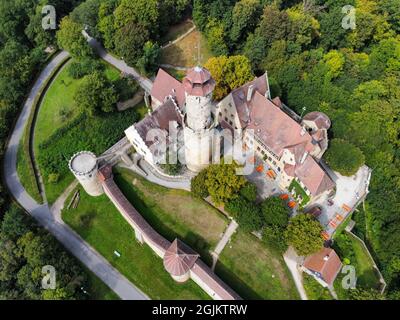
{"x":237,"y":284}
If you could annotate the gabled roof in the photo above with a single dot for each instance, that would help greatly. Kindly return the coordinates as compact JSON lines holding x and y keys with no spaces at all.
{"x":325,"y":262}
{"x":165,"y":85}
{"x":313,"y":176}
{"x":159,"y":119}
{"x":239,"y":97}
{"x":179,"y":258}
{"x":274,"y":127}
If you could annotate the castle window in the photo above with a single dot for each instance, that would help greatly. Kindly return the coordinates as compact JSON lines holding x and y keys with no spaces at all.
{"x":231,"y":123}
{"x":226,"y":119}
{"x":232,"y":115}
{"x":220,"y":114}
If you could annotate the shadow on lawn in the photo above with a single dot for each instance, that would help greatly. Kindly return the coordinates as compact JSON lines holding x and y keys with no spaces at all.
{"x":149,"y":212}
{"x":232,"y":280}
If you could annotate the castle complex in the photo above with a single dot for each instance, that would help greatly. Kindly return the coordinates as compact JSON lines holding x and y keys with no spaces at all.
{"x":289,"y":146}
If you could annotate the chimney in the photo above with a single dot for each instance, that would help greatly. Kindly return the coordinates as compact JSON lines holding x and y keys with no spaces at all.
{"x":250,"y":92}
{"x":304,"y":157}
{"x":326,"y":258}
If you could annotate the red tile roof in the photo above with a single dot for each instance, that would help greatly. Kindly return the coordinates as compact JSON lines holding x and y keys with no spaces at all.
{"x":179,"y":258}
{"x":313,"y":176}
{"x":165,"y":85}
{"x":274,"y":127}
{"x":159,"y":119}
{"x":321,"y":119}
{"x":326,"y":263}
{"x":239,"y":96}
{"x":198,"y":82}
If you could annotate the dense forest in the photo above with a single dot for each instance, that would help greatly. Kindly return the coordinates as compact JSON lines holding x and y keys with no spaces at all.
{"x":353,"y":75}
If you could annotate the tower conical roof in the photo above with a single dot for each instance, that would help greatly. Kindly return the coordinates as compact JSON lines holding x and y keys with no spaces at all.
{"x":179,"y":258}
{"x":198,"y":82}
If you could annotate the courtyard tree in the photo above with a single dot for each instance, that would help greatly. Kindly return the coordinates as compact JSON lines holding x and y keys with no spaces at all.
{"x":223,"y":183}
{"x":70,"y":38}
{"x":246,"y":213}
{"x":275,"y":212}
{"x":304,"y":234}
{"x":229,"y":73}
{"x":198,"y":185}
{"x":344,"y":157}
{"x":249,"y":191}
{"x":96,"y":94}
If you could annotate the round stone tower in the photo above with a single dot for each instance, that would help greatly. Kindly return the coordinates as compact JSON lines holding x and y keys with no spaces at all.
{"x":199,"y":122}
{"x":84,"y":167}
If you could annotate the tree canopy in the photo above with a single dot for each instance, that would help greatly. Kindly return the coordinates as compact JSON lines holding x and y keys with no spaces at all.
{"x":344,"y":157}
{"x":229,"y":73}
{"x":304,"y":234}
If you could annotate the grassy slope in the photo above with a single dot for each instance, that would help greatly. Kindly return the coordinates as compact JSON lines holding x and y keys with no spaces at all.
{"x":254,"y":271}
{"x":100,"y":224}
{"x":176,"y":31}
{"x":59,"y":97}
{"x":174,"y":213}
{"x":367,"y":277}
{"x":185,"y":52}
{"x":314,"y":290}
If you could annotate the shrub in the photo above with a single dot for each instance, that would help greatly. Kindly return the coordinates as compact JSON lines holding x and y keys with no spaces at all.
{"x":53,"y":178}
{"x":80,"y":68}
{"x":249,"y":192}
{"x":198,"y":185}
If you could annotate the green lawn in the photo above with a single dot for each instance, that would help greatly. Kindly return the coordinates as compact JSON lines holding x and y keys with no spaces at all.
{"x":58,"y":106}
{"x":98,"y":222}
{"x":296,"y":188}
{"x":185,"y":53}
{"x":174,"y":213}
{"x":349,"y":247}
{"x":314,"y":290}
{"x":26,"y":174}
{"x":61,"y":130}
{"x":255,"y":271}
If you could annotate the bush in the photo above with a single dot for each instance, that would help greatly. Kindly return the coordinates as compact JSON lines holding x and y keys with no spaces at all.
{"x":275,"y":238}
{"x":198,"y":185}
{"x":80,"y":68}
{"x":53,"y":178}
{"x":249,"y":192}
{"x":344,"y":157}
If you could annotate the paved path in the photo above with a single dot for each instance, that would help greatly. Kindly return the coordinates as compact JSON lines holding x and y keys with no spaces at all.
{"x":223,"y":242}
{"x":144,"y":82}
{"x":291,"y":258}
{"x":53,"y":223}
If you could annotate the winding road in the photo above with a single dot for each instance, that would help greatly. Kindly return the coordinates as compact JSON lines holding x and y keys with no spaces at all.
{"x":51,"y":218}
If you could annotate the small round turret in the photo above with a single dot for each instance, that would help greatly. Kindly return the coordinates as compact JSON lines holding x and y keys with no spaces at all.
{"x":85,"y":168}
